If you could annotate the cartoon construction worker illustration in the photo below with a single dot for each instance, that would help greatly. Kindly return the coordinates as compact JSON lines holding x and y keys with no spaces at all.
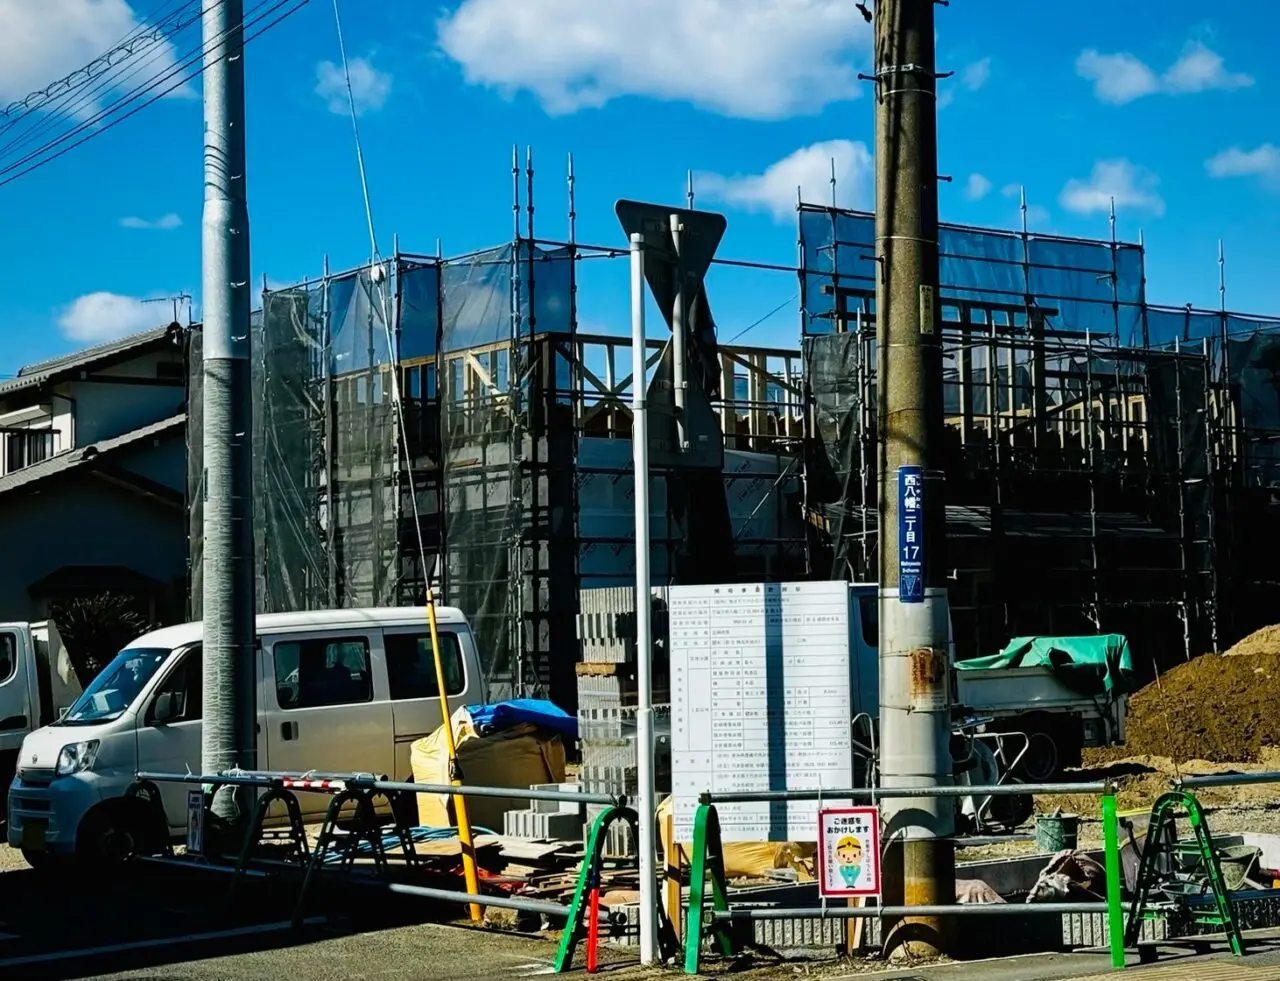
{"x":849,"y":859}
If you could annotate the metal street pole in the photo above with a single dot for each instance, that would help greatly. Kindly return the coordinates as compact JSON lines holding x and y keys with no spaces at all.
{"x":644,"y":640}
{"x":915,"y":719}
{"x":229,"y":723}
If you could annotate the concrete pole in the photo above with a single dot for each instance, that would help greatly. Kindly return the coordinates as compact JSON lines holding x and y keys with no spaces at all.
{"x":915,"y":720}
{"x":646,"y":805}
{"x":229,"y":725}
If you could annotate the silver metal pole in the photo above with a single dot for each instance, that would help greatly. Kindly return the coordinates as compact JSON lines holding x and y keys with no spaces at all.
{"x":644,"y":640}
{"x":679,"y":335}
{"x":228,"y":731}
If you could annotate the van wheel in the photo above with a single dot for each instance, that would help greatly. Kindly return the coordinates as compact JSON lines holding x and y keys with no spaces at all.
{"x":113,"y":836}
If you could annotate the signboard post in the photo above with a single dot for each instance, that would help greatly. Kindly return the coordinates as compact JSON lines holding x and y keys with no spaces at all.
{"x":910,"y":534}
{"x":195,"y":822}
{"x":849,"y":851}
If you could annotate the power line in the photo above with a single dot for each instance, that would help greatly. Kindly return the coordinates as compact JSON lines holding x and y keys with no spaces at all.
{"x":73,"y":103}
{"x":43,"y":155}
{"x":139,"y":39}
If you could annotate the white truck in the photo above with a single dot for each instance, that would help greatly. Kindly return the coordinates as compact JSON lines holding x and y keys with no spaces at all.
{"x":37,"y":684}
{"x":1048,"y":721}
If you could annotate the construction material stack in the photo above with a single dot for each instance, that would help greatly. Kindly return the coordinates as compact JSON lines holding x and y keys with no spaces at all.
{"x":607,"y":697}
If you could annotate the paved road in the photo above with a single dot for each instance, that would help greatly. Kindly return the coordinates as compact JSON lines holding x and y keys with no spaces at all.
{"x":170,"y":925}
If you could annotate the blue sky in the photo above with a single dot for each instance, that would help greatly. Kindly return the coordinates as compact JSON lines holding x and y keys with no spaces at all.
{"x":1171,"y":115}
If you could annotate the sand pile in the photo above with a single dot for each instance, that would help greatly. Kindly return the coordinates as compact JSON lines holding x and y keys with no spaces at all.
{"x":1220,"y":708}
{"x":1264,"y":641}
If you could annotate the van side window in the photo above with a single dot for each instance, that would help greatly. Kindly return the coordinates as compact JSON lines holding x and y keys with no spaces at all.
{"x":411,"y":666}
{"x":185,"y":685}
{"x":322,"y":671}
{"x":869,"y":614}
{"x":9,"y":657}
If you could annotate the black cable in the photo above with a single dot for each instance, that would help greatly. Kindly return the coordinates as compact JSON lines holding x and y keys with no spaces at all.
{"x":75,"y":101}
{"x":153,"y":82}
{"x":8,"y":174}
{"x":85,"y":74}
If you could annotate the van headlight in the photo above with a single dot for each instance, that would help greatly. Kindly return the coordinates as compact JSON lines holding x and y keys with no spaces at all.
{"x":76,"y":758}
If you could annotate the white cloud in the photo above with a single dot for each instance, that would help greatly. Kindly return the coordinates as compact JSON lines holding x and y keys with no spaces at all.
{"x":1011,"y":190}
{"x":974,"y":76}
{"x":1262,"y":162}
{"x":976,"y":187}
{"x":1117,"y":78}
{"x":1200,"y":69}
{"x":42,"y":42}
{"x":369,"y":87}
{"x":1121,"y":181}
{"x":756,"y":59}
{"x":808,"y":169}
{"x":164,"y":223}
{"x":1122,"y":77}
{"x":99,"y":317}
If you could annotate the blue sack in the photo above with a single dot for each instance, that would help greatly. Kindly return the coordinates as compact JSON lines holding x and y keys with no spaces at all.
{"x":518,"y":711}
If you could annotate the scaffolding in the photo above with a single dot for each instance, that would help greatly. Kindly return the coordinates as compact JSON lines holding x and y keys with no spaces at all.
{"x":1092,"y":439}
{"x":1111,"y":464}
{"x":518,"y":427}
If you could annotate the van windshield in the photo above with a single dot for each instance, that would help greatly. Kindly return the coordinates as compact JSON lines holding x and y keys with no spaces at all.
{"x":116,"y":686}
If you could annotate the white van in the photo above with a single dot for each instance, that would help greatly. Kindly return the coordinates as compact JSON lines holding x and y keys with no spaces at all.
{"x":338,"y":691}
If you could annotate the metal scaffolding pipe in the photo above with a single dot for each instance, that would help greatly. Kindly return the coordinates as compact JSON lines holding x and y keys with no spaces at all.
{"x":890,"y":912}
{"x":890,"y":793}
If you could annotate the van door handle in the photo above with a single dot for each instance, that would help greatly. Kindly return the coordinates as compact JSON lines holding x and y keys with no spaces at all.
{"x":288,"y":730}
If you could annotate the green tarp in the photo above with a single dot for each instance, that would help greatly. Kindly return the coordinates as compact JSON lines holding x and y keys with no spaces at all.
{"x":1089,"y":665}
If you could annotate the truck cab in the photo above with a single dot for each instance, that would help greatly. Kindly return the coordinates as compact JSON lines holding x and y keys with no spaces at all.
{"x":37,"y":684}
{"x":1047,"y":721}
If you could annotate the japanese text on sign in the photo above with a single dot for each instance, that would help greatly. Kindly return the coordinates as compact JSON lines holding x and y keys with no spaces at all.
{"x":910,"y":535}
{"x":849,"y":850}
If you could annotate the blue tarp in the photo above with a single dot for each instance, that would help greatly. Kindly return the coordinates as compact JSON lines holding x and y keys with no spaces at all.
{"x":518,"y":711}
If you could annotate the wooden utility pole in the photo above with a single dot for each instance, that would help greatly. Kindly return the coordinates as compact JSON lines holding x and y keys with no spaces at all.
{"x":915,"y":722}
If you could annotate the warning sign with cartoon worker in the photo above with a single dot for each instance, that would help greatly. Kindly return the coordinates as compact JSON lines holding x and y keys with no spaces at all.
{"x":849,"y":849}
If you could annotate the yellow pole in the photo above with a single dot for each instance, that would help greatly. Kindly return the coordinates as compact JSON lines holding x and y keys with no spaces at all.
{"x":459,"y":802}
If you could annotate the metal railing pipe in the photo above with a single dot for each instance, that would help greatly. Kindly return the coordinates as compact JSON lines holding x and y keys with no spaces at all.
{"x":891,"y":912}
{"x":541,"y":906}
{"x":881,"y":793}
{"x":517,"y":792}
{"x":1226,"y":780}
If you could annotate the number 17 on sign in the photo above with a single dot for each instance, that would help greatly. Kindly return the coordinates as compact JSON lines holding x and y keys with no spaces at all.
{"x":911,"y":534}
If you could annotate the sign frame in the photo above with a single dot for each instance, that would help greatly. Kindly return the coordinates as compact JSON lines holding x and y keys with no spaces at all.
{"x":911,"y":555}
{"x":195,"y":822}
{"x":825,"y":888}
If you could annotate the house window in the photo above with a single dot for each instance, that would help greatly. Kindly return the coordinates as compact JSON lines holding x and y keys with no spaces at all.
{"x":28,"y":446}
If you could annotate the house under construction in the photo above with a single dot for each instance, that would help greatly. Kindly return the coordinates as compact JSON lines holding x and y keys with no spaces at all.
{"x":1110,"y":464}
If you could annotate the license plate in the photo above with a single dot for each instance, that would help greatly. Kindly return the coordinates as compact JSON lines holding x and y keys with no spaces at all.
{"x":33,"y":833}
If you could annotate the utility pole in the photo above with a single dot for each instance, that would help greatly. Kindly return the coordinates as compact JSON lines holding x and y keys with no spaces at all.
{"x":915,"y":717}
{"x":229,"y":724}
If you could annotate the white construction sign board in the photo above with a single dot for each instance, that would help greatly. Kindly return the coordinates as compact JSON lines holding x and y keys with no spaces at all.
{"x":759,"y":701}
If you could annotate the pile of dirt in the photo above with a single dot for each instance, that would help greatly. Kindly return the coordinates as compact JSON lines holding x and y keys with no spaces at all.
{"x":1264,"y":641}
{"x":1224,"y":709}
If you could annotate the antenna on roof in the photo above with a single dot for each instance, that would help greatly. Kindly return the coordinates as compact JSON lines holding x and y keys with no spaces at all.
{"x":175,"y":299}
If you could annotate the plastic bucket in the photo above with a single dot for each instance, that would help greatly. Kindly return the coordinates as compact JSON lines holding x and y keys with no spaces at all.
{"x":1057,"y":832}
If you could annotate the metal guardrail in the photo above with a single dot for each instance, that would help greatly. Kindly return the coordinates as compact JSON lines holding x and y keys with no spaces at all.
{"x":360,"y":789}
{"x":895,"y":912}
{"x":707,"y":845}
{"x":890,"y":793}
{"x":370,"y":781}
